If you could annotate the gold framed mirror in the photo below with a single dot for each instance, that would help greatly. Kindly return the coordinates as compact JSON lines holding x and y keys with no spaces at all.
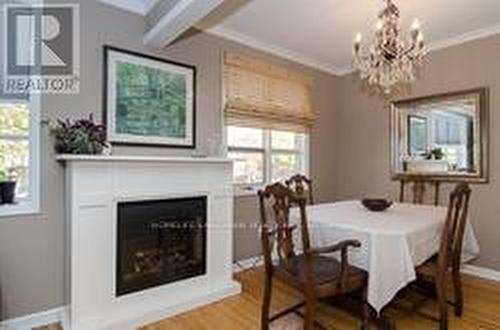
{"x":443,"y":137}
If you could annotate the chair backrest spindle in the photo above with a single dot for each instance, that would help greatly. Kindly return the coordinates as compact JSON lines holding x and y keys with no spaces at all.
{"x":280,"y":199}
{"x":453,"y":232}
{"x":419,"y":188}
{"x":301,"y":185}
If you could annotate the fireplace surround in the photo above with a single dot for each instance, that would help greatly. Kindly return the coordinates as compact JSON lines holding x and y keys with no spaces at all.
{"x":99,"y":190}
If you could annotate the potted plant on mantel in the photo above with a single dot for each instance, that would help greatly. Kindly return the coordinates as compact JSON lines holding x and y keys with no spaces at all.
{"x":81,"y":137}
{"x":8,"y":185}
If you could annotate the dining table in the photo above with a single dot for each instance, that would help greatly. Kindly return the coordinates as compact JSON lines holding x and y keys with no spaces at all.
{"x":393,"y":242}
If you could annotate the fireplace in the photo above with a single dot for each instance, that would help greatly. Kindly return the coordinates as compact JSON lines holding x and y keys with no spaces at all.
{"x":160,"y":242}
{"x":123,"y":245}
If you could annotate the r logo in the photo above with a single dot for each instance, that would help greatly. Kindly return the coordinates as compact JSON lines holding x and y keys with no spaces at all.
{"x":40,"y":40}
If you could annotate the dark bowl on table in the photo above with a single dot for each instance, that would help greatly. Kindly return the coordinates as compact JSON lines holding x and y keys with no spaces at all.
{"x":376,"y":204}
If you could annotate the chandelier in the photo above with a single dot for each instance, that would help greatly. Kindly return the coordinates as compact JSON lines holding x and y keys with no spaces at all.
{"x":390,"y":61}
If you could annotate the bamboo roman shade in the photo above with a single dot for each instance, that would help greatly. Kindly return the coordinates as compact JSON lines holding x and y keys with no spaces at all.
{"x":258,"y":94}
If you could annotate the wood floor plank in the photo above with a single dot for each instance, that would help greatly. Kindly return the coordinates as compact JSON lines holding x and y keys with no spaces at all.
{"x":482,"y":310}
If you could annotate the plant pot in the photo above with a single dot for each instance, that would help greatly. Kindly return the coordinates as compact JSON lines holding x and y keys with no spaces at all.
{"x":8,"y":190}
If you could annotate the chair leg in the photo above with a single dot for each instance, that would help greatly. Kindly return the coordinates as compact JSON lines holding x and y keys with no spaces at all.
{"x":443,"y":308}
{"x":366,"y":310}
{"x":443,"y":320}
{"x":457,"y":292}
{"x":266,"y":302}
{"x":309,"y":316}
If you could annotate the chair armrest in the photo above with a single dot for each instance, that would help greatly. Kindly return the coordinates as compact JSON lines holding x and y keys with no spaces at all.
{"x":336,"y":247}
{"x":344,"y":265}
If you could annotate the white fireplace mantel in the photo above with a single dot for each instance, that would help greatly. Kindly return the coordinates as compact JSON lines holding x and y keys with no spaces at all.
{"x":94,"y":186}
{"x":149,"y":159}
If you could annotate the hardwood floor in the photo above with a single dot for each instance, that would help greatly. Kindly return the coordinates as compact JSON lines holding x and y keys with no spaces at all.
{"x":50,"y":327}
{"x":482,"y":310}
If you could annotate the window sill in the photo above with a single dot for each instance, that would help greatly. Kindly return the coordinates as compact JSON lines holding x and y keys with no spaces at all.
{"x":246,"y":191}
{"x":20,"y":208}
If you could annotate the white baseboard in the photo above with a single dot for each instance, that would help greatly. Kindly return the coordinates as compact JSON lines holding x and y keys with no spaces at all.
{"x":61,"y":314}
{"x":233,"y":288}
{"x":28,"y":322}
{"x":246,"y":264}
{"x":484,"y":273}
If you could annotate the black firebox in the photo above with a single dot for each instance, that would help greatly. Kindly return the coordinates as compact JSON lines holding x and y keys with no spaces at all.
{"x":160,"y":242}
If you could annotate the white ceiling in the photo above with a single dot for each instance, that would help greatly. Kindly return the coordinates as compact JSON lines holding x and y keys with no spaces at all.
{"x":320,"y":32}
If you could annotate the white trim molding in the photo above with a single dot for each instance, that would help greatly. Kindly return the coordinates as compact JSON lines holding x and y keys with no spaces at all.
{"x":484,"y":273}
{"x":464,"y":38}
{"x":275,"y":50}
{"x":150,"y":5}
{"x":133,"y":6}
{"x":141,"y":7}
{"x":30,"y":205}
{"x":184,"y":15}
{"x":246,"y":264}
{"x":59,"y":314}
{"x":341,"y":70}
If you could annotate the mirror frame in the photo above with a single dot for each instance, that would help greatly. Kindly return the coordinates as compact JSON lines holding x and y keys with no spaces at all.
{"x":483,"y":100}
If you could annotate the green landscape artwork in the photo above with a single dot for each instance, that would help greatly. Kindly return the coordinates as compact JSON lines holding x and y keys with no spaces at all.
{"x":150,"y":102}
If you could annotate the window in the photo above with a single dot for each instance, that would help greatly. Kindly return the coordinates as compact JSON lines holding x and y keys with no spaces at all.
{"x":19,"y":143}
{"x":262,"y":156}
{"x":268,"y":114}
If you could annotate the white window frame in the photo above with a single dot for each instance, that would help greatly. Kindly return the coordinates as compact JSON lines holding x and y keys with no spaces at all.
{"x":31,"y":205}
{"x":247,"y":189}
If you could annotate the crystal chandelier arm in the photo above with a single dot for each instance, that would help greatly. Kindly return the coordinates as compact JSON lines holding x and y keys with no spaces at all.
{"x":390,"y":60}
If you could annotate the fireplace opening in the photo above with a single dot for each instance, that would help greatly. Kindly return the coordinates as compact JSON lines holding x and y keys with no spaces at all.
{"x":160,"y":242}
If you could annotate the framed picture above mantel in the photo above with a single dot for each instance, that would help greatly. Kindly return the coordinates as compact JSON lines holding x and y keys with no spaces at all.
{"x":148,"y":100}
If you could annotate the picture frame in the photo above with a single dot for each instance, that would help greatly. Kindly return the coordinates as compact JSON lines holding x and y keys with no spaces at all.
{"x":148,"y":101}
{"x":470,"y":163}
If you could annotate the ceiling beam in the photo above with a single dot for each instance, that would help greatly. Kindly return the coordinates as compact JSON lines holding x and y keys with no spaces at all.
{"x":178,"y":19}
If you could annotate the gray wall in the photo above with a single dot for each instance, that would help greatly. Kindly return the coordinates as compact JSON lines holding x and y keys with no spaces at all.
{"x":33,"y":255}
{"x":362,"y":134}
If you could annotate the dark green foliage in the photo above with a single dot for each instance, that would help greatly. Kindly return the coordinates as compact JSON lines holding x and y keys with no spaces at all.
{"x":82,"y":136}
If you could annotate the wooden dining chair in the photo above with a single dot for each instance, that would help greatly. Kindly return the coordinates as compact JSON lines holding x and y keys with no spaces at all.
{"x":301,"y":185}
{"x":437,"y":268}
{"x":311,"y":271}
{"x":419,"y":187}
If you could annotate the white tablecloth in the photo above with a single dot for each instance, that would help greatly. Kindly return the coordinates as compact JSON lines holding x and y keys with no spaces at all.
{"x":393,"y":242}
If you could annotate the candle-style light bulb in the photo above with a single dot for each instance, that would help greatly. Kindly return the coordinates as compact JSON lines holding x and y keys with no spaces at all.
{"x":358,"y":38}
{"x":415,"y":30}
{"x":380,"y":24}
{"x":420,"y":37}
{"x":420,"y":40}
{"x":357,"y":43}
{"x":416,"y":24}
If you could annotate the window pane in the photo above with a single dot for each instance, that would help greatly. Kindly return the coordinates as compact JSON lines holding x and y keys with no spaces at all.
{"x":248,"y":167}
{"x":245,"y":137}
{"x":284,"y":165}
{"x":14,"y":119}
{"x":14,"y":158}
{"x":286,"y":140}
